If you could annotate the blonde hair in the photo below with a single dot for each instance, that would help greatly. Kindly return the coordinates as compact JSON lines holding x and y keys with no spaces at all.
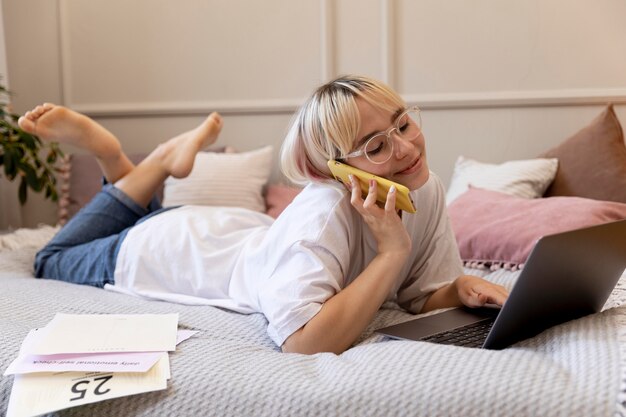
{"x":326,"y":126}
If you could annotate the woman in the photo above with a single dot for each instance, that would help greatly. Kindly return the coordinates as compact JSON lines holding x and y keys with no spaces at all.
{"x":321,"y":271}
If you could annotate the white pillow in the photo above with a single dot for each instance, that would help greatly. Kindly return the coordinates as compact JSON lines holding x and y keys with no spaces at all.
{"x":223,"y":179}
{"x":524,"y":178}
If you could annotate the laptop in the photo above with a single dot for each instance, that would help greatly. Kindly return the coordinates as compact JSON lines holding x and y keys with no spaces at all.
{"x":567,"y":276}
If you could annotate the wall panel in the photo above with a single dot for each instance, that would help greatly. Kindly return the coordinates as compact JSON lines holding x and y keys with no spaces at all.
{"x":188,"y":55}
{"x":456,"y":47}
{"x":497,"y":79}
{"x":358,"y":41}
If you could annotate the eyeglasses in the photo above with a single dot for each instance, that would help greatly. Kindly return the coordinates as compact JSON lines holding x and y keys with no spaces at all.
{"x":379,"y":148}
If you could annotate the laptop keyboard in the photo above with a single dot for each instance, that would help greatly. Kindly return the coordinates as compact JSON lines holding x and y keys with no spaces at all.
{"x":472,"y":335}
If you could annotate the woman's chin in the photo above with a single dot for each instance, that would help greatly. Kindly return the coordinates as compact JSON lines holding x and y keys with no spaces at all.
{"x":420,"y":179}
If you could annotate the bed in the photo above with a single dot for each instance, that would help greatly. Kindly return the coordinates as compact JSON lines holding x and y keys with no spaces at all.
{"x":232,"y":368}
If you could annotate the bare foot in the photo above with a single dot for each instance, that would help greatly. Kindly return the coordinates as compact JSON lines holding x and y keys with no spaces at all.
{"x":174,"y":157}
{"x":60,"y":124}
{"x":177,"y":155}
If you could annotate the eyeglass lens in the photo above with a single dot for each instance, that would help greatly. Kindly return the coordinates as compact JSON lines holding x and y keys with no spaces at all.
{"x":378,"y":148}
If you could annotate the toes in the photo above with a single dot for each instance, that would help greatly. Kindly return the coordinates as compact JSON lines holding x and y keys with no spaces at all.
{"x":37,"y":111}
{"x":44,"y":108}
{"x":27,"y":124}
{"x":216,"y":119}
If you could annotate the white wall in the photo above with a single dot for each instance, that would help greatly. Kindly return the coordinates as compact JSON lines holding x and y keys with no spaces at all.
{"x":497,"y":79}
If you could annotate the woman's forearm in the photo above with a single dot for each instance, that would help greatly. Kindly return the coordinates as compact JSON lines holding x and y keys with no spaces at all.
{"x":444,"y":297}
{"x":344,"y":316}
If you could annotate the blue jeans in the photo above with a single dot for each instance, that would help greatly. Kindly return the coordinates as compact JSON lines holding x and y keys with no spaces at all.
{"x":85,"y":250}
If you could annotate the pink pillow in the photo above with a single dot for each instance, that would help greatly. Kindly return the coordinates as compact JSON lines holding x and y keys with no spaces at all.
{"x":499,"y":230}
{"x":278,"y":197}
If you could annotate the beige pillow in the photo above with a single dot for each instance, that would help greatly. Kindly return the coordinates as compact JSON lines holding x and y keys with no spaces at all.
{"x":81,"y":178}
{"x":225,"y":179}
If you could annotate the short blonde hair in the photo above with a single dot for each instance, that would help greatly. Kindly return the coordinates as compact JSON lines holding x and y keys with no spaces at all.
{"x":326,"y":126}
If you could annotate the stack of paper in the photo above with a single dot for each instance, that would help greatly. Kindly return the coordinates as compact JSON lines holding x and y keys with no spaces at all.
{"x":81,"y":359}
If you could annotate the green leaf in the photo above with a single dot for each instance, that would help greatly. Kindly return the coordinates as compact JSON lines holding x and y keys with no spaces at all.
{"x":10,"y":169}
{"x":32,"y":180}
{"x":28,"y":140}
{"x":52,"y":157}
{"x":22,"y":191}
{"x":18,"y":153}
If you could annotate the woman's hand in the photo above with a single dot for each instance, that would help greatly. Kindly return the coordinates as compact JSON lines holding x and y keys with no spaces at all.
{"x":466,"y":290}
{"x":476,"y":292}
{"x":384,"y":222}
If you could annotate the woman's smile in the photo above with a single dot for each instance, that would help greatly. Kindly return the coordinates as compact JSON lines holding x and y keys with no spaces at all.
{"x":415,"y":166}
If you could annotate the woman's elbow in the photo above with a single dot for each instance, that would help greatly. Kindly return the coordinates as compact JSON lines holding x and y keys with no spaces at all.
{"x":297,"y":343}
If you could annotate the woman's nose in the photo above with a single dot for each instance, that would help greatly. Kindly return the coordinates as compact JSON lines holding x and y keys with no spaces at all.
{"x":402,"y":146}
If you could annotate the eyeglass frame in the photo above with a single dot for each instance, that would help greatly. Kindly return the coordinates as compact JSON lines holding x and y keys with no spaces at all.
{"x":387,"y":133}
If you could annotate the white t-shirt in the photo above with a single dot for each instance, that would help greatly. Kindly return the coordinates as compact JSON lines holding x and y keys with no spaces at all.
{"x":286,"y":269}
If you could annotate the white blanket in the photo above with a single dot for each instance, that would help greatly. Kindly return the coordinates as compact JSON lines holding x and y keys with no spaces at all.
{"x":232,"y":368}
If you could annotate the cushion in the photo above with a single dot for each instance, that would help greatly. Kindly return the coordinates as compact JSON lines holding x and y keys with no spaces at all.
{"x":523,"y":178}
{"x":496,"y":229}
{"x":225,"y":179}
{"x":278,"y":197}
{"x":592,"y":163}
{"x":81,"y":179}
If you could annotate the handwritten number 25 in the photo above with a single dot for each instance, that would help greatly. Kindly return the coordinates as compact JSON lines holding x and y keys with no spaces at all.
{"x":76,"y":388}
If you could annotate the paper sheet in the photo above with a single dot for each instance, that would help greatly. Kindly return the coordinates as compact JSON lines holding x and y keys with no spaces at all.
{"x":101,"y":333}
{"x":85,"y":362}
{"x":35,"y":394}
{"x":184,"y":334}
{"x":90,"y":362}
{"x":81,"y":362}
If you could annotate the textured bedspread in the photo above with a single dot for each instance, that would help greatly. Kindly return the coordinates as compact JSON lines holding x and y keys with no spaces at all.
{"x":232,"y":368}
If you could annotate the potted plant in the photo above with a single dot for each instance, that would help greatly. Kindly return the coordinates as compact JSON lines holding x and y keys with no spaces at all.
{"x":25,"y":157}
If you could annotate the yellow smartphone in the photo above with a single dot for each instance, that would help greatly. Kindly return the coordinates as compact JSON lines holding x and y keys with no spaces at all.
{"x":403,"y":200}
